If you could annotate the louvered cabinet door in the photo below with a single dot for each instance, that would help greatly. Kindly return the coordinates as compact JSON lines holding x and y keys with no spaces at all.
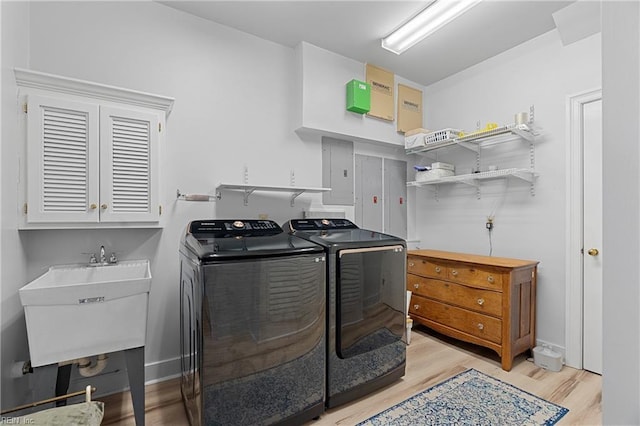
{"x":129,"y":165}
{"x":62,"y":160}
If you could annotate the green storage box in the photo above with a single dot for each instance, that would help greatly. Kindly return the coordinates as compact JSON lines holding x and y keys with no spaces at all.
{"x":358,"y":96}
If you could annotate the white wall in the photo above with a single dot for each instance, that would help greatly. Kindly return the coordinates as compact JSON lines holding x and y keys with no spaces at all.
{"x":15,"y":51}
{"x":541,"y":73}
{"x":323,"y":76}
{"x":621,"y":212}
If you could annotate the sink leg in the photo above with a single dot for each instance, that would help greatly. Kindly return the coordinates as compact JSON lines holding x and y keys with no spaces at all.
{"x":62,"y":383}
{"x":135,"y":370}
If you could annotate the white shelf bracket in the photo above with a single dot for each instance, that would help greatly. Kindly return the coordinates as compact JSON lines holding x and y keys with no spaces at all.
{"x":247,"y":192}
{"x":531,"y":114}
{"x":532,"y":156}
{"x":294,"y":196}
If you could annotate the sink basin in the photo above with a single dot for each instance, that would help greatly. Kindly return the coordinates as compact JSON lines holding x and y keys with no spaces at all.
{"x":75,"y":311}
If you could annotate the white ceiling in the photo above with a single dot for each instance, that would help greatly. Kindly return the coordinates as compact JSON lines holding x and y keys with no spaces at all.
{"x":354,"y":29}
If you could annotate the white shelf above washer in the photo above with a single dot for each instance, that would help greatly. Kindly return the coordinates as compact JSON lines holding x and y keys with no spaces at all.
{"x":248,"y":189}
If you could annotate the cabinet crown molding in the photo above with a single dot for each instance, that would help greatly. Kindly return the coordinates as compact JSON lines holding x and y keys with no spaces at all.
{"x":73,"y":86}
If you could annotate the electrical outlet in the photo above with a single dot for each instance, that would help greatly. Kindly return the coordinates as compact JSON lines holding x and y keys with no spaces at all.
{"x":489,"y":223}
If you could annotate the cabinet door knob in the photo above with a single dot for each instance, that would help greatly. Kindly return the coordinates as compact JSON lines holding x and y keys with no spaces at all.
{"x":103,"y":206}
{"x":438,"y":270}
{"x":416,"y":307}
{"x":480,"y":301}
{"x":411,"y":264}
{"x":454,"y":272}
{"x":593,"y":252}
{"x":480,"y":326}
{"x":416,"y":285}
{"x":93,"y":206}
{"x":490,"y":278}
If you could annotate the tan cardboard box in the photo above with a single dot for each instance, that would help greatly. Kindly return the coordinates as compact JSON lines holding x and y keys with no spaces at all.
{"x":409,"y":108}
{"x":382,"y":83}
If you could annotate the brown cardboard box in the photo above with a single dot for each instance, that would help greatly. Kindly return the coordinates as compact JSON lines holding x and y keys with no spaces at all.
{"x":382,"y":84}
{"x":409,"y":108}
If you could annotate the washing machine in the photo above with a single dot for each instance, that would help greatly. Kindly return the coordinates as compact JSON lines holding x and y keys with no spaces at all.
{"x":253,"y":318}
{"x":366,"y":297}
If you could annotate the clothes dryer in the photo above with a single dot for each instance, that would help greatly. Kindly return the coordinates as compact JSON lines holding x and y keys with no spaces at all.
{"x":252,"y":324}
{"x":366,"y":297}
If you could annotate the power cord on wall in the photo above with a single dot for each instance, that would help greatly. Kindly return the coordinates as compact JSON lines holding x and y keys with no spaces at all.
{"x":489,"y":226}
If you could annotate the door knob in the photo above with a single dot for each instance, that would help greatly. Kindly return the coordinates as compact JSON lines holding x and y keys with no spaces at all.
{"x":593,"y":252}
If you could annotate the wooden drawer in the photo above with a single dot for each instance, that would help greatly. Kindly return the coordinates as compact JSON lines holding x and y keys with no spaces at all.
{"x":484,"y":301}
{"x":476,"y":324}
{"x":420,"y":266}
{"x":479,"y":277}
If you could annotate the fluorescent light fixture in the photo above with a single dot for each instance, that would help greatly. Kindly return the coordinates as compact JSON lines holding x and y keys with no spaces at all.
{"x":433,"y":17}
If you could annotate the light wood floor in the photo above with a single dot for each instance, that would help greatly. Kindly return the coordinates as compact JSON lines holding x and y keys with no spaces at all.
{"x":431,"y":358}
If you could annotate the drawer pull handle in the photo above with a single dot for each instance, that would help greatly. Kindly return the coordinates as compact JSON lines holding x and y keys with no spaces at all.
{"x":438,"y":270}
{"x":490,"y":278}
{"x":411,"y":264}
{"x":416,"y":286}
{"x":481,"y":301}
{"x":454,"y":272}
{"x":416,"y":307}
{"x":480,"y":326}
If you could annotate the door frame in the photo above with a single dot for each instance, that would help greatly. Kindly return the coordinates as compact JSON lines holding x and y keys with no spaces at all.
{"x":574,"y":219}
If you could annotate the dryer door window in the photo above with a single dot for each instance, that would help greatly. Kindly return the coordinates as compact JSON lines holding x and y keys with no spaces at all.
{"x":371,"y":293}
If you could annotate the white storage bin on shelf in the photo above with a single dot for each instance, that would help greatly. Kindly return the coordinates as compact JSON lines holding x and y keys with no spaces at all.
{"x":441,"y":136}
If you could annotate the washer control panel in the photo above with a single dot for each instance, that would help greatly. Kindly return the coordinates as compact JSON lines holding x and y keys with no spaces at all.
{"x":233,"y":228}
{"x":320,"y":224}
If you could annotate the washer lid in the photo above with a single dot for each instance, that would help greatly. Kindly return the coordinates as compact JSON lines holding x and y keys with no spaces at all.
{"x":233,"y":238}
{"x":338,"y":232}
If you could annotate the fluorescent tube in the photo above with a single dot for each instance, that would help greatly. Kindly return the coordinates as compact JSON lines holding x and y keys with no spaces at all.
{"x":433,"y":17}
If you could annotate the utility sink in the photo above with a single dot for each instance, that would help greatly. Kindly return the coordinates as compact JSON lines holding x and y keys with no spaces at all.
{"x":75,"y":311}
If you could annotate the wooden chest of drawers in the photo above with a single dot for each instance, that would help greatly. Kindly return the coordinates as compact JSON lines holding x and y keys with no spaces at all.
{"x":489,"y":301}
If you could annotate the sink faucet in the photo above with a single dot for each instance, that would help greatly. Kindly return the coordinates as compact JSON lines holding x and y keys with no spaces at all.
{"x":101,"y":259}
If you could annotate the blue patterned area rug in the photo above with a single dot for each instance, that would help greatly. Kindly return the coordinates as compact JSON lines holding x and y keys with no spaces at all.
{"x":471,"y":398}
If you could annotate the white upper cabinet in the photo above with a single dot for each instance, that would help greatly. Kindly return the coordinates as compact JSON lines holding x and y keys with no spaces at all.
{"x":92,"y":156}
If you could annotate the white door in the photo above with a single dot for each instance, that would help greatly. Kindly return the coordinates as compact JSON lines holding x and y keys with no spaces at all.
{"x":592,"y":236}
{"x":63,"y":161}
{"x":129,"y":158}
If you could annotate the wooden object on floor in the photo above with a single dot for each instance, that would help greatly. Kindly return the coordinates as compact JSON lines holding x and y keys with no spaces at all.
{"x":489,"y":301}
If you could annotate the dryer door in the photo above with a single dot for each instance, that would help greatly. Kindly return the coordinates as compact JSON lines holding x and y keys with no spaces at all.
{"x":371,"y":296}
